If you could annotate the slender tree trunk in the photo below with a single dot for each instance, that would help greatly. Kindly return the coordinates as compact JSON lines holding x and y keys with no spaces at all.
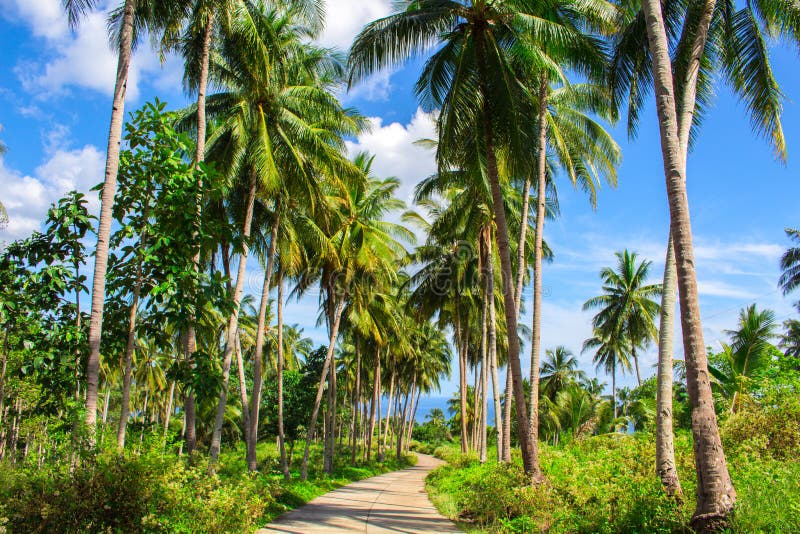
{"x":541,"y":206}
{"x":484,"y":361}
{"x":389,"y":405}
{"x":462,"y":376}
{"x":413,"y":419}
{"x":493,"y":358}
{"x":233,"y":325}
{"x":281,"y":365}
{"x":476,"y":407}
{"x":330,"y":438}
{"x":356,"y":409}
{"x":665,"y":448}
{"x":130,"y":346}
{"x":403,"y":425}
{"x":318,"y":400}
{"x":614,"y":388}
{"x":168,"y":412}
{"x":3,"y":375}
{"x":106,"y":216}
{"x":715,"y":493}
{"x":507,"y":416}
{"x":242,"y":388}
{"x":376,"y":391}
{"x":636,"y":365}
{"x":144,"y":414}
{"x":258,"y":360}
{"x":106,"y":401}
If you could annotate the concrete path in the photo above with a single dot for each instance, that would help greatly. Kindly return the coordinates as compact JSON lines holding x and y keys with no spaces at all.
{"x":391,"y":503}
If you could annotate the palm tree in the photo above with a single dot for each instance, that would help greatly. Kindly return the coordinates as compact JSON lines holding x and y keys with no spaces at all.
{"x":559,"y":369}
{"x":750,"y":352}
{"x":737,"y":45}
{"x":611,"y":353}
{"x":626,"y":307}
{"x":75,"y":10}
{"x":790,"y":264}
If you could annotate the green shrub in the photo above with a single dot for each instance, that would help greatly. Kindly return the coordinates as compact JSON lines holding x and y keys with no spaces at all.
{"x":769,"y":431}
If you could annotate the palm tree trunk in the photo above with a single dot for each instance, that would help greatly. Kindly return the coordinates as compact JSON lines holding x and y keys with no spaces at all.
{"x":233,"y":325}
{"x":413,"y":417}
{"x":614,"y":388}
{"x":403,"y":424}
{"x":507,"y":416}
{"x":376,"y":391}
{"x":715,"y":493}
{"x":522,"y":265}
{"x":389,"y":405}
{"x":484,"y":362}
{"x":106,"y":216}
{"x":476,"y":406}
{"x":541,"y":205}
{"x":3,"y":374}
{"x":665,"y":448}
{"x":330,"y":436}
{"x":318,"y":400}
{"x":242,"y":388}
{"x":168,"y":412}
{"x":106,"y":402}
{"x":636,"y":365}
{"x":281,"y":365}
{"x":462,"y":375}
{"x":356,"y":407}
{"x":530,"y":447}
{"x":258,"y":359}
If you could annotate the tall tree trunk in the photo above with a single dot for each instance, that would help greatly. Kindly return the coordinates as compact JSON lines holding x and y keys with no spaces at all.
{"x":413,"y":418}
{"x":106,"y":401}
{"x":484,"y":361}
{"x":614,"y":388}
{"x":258,"y":359}
{"x":389,"y":405}
{"x":233,"y":325}
{"x":281,"y":365}
{"x":330,"y":438}
{"x":242,"y":388}
{"x":636,"y":365}
{"x":462,"y":336}
{"x":476,"y":407}
{"x":507,"y":416}
{"x":130,"y":346}
{"x":321,"y":386}
{"x":106,"y":216}
{"x":715,"y":493}
{"x":356,"y":409}
{"x":168,"y":412}
{"x":403,"y":424}
{"x":665,"y":448}
{"x":493,"y":356}
{"x":3,"y":374}
{"x":541,"y":206}
{"x":530,"y":447}
{"x":190,"y":433}
{"x":376,"y":391}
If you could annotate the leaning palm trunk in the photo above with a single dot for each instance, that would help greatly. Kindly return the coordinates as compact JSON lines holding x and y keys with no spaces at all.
{"x":665,"y":448}
{"x":330,"y":436}
{"x":233,"y":325}
{"x":413,"y":418}
{"x":376,"y":392}
{"x":536,"y":327}
{"x":484,"y":362}
{"x":258,"y":359}
{"x":715,"y":493}
{"x":356,"y":408}
{"x":106,"y":216}
{"x":389,"y":406}
{"x":321,"y":386}
{"x":462,"y":376}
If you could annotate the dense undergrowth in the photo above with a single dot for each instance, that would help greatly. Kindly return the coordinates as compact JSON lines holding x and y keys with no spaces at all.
{"x":608,"y":483}
{"x":153,"y":491}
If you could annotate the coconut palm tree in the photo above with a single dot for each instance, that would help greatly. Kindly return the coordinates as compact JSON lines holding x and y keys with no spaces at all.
{"x":559,"y":369}
{"x":76,"y":9}
{"x":737,"y":47}
{"x":627,"y":306}
{"x":750,"y":352}
{"x":611,"y":352}
{"x":790,"y":264}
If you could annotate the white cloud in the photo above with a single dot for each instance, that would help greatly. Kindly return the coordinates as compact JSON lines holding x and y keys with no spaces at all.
{"x":27,"y":198}
{"x":396,"y":154}
{"x":81,"y":59}
{"x":346,"y":18}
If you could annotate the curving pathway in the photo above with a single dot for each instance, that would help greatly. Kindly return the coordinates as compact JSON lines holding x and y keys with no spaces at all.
{"x":391,"y":503}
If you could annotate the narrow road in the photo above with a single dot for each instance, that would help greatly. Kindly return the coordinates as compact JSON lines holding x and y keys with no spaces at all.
{"x":395,"y":502}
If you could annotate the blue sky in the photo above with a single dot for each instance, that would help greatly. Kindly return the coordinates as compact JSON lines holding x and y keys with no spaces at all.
{"x":55,"y":93}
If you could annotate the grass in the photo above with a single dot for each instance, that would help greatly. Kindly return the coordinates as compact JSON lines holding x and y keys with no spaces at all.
{"x":153,"y":491}
{"x":608,"y":484}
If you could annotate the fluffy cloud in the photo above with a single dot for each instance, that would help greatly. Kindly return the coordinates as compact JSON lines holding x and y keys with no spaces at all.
{"x":396,"y":153}
{"x":27,"y":198}
{"x":81,"y":59}
{"x":346,"y":18}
